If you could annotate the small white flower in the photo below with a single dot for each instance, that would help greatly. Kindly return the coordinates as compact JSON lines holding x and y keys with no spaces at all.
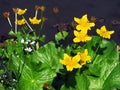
{"x":32,"y":43}
{"x":26,"y":42}
{"x":4,"y":76}
{"x":22,"y":41}
{"x":28,"y":49}
{"x":13,"y":89}
{"x":14,"y":80}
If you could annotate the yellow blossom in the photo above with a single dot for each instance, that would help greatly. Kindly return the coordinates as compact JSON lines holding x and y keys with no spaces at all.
{"x":83,"y":23}
{"x":84,"y":57}
{"x":34,"y":20}
{"x":81,"y":37}
{"x":42,"y":8}
{"x":103,"y":32}
{"x":20,"y":22}
{"x":21,"y":12}
{"x":71,"y":62}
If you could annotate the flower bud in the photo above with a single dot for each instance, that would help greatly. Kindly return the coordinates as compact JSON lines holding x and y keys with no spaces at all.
{"x":15,"y":10}
{"x":42,"y":8}
{"x":55,"y":10}
{"x":37,"y":7}
{"x":6,"y":14}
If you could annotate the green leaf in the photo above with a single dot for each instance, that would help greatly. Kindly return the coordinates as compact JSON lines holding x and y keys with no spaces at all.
{"x":49,"y":55}
{"x":41,"y":67}
{"x":66,"y":88}
{"x":1,"y":87}
{"x":92,"y":45}
{"x":113,"y":80}
{"x":61,"y":35}
{"x":2,"y":71}
{"x":15,"y":65}
{"x":34,"y":80}
{"x":11,"y":32}
{"x":82,"y":82}
{"x":42,"y":38}
{"x":104,"y":63}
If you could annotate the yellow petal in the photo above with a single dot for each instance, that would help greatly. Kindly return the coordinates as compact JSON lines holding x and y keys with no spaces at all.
{"x":20,"y":22}
{"x":69,"y":68}
{"x":76,"y":58}
{"x":77,"y":20}
{"x":103,"y":27}
{"x":78,"y":27}
{"x":34,"y":20}
{"x":76,"y":33}
{"x":84,"y":18}
{"x":21,"y":12}
{"x":76,"y":40}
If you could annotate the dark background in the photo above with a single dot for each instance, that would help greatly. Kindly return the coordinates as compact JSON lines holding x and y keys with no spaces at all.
{"x":108,"y":10}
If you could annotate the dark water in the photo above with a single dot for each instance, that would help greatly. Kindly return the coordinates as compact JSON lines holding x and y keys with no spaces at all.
{"x":106,"y":9}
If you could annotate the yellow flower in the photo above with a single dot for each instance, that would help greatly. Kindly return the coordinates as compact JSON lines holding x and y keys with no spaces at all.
{"x":20,"y":22}
{"x":42,"y":8}
{"x":81,"y":37}
{"x":103,"y":32}
{"x":83,"y":23}
{"x":21,"y":12}
{"x":71,"y":62}
{"x":84,"y":57}
{"x":34,"y":20}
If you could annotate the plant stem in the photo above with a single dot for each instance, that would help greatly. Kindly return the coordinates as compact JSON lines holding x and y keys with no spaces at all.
{"x":42,"y":23}
{"x":15,"y":23}
{"x":9,"y":21}
{"x":27,"y":23}
{"x":36,"y":12}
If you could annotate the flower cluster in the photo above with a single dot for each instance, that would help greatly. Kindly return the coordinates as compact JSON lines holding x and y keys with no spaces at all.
{"x":82,"y":28}
{"x":76,"y":61}
{"x":22,"y":20}
{"x":94,"y":64}
{"x":29,"y":45}
{"x":81,"y":35}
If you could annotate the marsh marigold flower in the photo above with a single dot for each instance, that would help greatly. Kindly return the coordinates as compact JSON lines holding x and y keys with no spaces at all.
{"x":20,"y":22}
{"x":83,"y":23}
{"x":71,"y":62}
{"x":34,"y":20}
{"x":81,"y":37}
{"x":84,"y":57}
{"x":21,"y":12}
{"x":103,"y":32}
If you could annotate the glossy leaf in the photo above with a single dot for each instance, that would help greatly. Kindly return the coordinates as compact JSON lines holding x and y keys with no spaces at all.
{"x":61,"y":35}
{"x":103,"y":65}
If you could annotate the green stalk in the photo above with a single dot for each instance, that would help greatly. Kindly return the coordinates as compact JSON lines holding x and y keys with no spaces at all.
{"x":15,"y":23}
{"x":97,"y":50}
{"x":27,"y":24}
{"x":41,"y":27}
{"x":42,"y":23}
